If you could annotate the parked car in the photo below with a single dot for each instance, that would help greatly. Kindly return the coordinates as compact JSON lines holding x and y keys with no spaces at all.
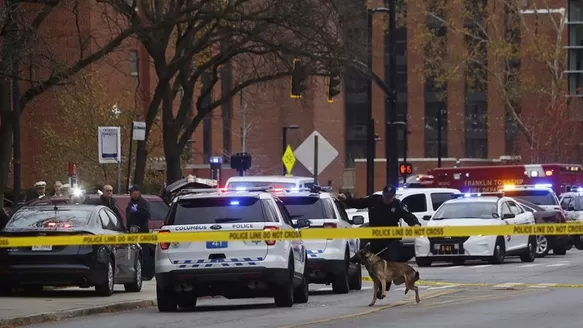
{"x":559,"y":244}
{"x":101,"y":266}
{"x":158,"y":208}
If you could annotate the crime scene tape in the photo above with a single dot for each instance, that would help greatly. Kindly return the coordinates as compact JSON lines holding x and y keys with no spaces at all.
{"x":294,"y":234}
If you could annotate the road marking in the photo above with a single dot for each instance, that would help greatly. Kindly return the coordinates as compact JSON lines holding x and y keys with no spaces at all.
{"x":508,"y":285}
{"x":476,"y":298}
{"x":557,"y":264}
{"x":482,"y":266}
{"x":452,"y":267}
{"x":442,"y":287}
{"x":529,"y":265}
{"x":376,"y":309}
{"x":542,"y":286}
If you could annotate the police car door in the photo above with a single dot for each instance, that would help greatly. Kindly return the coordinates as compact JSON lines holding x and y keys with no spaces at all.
{"x":297,"y":245}
{"x":512,"y":242}
{"x":344,"y":222}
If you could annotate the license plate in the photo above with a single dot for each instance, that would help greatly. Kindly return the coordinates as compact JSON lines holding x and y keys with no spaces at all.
{"x":42,"y":248}
{"x":448,"y":249}
{"x":217,"y":244}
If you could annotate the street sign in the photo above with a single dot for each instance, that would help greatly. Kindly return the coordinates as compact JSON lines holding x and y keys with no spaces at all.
{"x":139,"y":131}
{"x":288,"y":159}
{"x":405,"y":169}
{"x":109,"y":144}
{"x":305,"y":153}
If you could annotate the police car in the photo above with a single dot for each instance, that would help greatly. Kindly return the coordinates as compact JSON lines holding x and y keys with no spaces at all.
{"x":233,"y":269}
{"x":542,"y":195}
{"x":486,"y":209}
{"x":328,"y":259}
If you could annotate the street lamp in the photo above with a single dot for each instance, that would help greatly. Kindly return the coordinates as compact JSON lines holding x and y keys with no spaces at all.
{"x":370,"y":133}
{"x":284,"y":143}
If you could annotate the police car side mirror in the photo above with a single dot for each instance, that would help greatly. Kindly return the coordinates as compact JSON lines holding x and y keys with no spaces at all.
{"x":426,"y":217}
{"x":508,"y":216}
{"x":357,"y":220}
{"x":303,"y":223}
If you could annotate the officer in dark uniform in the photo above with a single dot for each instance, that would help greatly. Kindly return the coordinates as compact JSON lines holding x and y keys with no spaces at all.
{"x":384,"y":211}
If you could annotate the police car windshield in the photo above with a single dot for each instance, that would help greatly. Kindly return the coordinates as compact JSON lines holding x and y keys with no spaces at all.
{"x":252,"y":184}
{"x":217,"y":210}
{"x":307,"y":208}
{"x":538,"y":197}
{"x":466,"y":210}
{"x":31,"y":218}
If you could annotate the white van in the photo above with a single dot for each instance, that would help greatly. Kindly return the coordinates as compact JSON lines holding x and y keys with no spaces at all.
{"x":276,"y":181}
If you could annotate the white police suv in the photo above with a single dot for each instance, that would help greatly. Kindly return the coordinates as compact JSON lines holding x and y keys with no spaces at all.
{"x":485,"y":209}
{"x":328,"y":259}
{"x":233,"y":269}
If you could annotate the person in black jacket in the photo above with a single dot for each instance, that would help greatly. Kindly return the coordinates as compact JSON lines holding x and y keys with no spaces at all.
{"x":138,"y":210}
{"x":138,"y":214}
{"x":384,"y":211}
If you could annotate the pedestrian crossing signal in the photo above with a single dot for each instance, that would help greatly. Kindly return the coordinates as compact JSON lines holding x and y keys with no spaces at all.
{"x":405,"y":169}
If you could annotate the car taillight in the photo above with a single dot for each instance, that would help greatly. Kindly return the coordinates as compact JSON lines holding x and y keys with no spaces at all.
{"x":330,"y":225}
{"x":270,"y":242}
{"x":164,"y":245}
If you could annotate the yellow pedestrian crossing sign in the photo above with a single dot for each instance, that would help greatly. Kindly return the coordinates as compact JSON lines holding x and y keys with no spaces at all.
{"x":288,"y":159}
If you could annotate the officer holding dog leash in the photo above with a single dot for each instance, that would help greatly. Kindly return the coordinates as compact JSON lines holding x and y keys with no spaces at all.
{"x":384,"y":211}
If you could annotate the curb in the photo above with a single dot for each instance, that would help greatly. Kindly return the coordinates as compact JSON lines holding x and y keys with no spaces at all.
{"x":69,"y":314}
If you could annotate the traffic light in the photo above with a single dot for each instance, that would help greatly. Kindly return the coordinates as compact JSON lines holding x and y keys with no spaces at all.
{"x":333,"y":87}
{"x":241,"y":162}
{"x":405,"y":169}
{"x":298,"y":79}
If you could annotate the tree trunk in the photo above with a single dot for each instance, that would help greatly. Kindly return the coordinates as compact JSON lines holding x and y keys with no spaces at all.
{"x":6,"y":131}
{"x":173,"y":166}
{"x":141,"y":160}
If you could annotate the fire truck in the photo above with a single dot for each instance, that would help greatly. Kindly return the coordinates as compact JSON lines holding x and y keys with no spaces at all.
{"x":493,"y":178}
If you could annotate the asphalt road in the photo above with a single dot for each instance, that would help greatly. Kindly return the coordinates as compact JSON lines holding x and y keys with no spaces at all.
{"x":495,"y":302}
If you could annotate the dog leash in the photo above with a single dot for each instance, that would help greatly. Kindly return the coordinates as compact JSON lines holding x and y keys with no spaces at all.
{"x":382,"y":250}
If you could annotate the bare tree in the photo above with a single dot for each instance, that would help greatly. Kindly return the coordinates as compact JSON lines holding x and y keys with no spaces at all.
{"x":33,"y":52}
{"x":257,"y":39}
{"x":498,"y":38}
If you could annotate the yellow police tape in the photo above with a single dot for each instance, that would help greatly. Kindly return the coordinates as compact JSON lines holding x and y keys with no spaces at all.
{"x":291,"y":234}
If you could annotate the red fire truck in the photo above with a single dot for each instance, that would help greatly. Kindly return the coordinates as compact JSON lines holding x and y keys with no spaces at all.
{"x":493,"y":178}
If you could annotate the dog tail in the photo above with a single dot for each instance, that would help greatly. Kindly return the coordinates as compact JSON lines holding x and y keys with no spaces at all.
{"x":416,"y":275}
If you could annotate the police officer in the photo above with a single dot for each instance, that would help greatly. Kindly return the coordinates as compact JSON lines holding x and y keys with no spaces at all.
{"x":138,"y":214}
{"x":384,"y":211}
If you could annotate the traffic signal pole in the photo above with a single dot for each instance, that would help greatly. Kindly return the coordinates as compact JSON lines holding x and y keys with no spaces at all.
{"x":370,"y":144}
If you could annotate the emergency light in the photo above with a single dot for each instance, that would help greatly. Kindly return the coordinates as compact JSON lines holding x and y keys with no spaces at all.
{"x":479,"y":194}
{"x":235,"y":203}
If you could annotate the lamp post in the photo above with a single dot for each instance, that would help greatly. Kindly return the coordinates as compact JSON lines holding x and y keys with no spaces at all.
{"x":284,"y":143}
{"x":370,"y":133}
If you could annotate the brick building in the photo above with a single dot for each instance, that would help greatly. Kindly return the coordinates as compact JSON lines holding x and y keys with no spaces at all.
{"x":476,"y":128}
{"x":252,"y":121}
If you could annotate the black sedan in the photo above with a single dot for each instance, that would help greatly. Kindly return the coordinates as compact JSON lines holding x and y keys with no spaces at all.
{"x":100,"y":266}
{"x":559,"y":244}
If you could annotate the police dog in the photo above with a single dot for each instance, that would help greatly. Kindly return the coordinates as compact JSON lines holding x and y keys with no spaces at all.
{"x":383,"y":273}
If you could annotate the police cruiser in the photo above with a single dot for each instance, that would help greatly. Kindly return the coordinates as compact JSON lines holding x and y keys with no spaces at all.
{"x":328,"y":259}
{"x":233,"y":269}
{"x":485,"y":209}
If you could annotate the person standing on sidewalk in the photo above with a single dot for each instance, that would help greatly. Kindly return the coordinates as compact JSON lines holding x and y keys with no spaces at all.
{"x":138,"y":214}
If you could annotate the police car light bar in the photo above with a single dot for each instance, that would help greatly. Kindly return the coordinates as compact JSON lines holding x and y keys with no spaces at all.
{"x":478,"y":194}
{"x":538,"y":186}
{"x":249,"y":189}
{"x":574,"y":189}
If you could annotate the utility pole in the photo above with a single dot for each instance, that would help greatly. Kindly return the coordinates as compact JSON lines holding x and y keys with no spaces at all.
{"x":391,"y":152}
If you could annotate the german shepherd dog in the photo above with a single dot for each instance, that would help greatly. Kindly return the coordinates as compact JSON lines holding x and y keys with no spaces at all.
{"x":383,"y":273}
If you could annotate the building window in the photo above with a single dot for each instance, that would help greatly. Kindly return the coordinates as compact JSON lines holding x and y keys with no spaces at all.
{"x":476,"y":123}
{"x":435,"y":126}
{"x":134,"y":63}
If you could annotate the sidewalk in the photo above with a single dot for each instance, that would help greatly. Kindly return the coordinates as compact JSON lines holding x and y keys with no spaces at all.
{"x":71,"y":302}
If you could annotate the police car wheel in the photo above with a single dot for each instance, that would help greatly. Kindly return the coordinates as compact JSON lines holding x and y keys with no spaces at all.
{"x":166,"y":299}
{"x":499,"y":252}
{"x":356,"y":280}
{"x":187,"y":301}
{"x":341,"y":283}
{"x":542,"y":246}
{"x":530,"y":252}
{"x":284,"y":295}
{"x":302,"y":292}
